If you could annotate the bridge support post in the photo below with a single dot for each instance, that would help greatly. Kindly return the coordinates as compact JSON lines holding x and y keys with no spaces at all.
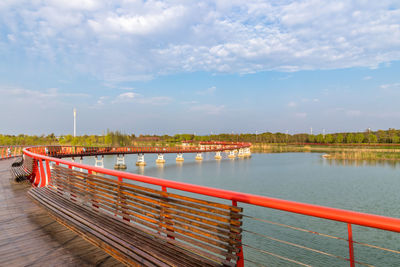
{"x":199,"y":156}
{"x":179,"y":157}
{"x":140,"y":160}
{"x":160,"y":159}
{"x":73,"y":160}
{"x":247,"y":152}
{"x":120,"y":164}
{"x":99,"y":162}
{"x":218,"y":155}
{"x":80,"y":161}
{"x":231,"y":154}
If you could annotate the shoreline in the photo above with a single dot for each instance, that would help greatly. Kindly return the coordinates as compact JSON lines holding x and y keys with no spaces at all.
{"x":348,"y":153}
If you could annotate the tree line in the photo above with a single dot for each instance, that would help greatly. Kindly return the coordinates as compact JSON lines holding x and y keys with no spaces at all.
{"x":391,"y":136}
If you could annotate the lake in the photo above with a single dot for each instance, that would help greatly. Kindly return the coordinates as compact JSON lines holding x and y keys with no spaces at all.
{"x":371,"y":187}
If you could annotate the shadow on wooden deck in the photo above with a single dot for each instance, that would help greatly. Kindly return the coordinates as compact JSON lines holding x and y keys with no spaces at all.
{"x":29,"y":236}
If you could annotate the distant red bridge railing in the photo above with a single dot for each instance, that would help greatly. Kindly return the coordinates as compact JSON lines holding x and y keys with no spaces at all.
{"x":75,"y":151}
{"x":7,"y":152}
{"x":42,"y":173}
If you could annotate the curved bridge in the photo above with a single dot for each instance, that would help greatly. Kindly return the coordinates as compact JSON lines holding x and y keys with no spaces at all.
{"x":233,"y":150}
{"x":157,"y":222}
{"x":78,"y":151}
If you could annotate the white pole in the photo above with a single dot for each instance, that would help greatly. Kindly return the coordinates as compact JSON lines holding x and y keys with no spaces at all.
{"x":74,"y":122}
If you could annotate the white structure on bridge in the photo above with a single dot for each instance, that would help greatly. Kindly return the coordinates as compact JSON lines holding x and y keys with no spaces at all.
{"x":140,"y":160}
{"x":99,"y":162}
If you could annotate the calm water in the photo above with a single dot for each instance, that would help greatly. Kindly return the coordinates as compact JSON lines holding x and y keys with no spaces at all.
{"x":305,"y":177}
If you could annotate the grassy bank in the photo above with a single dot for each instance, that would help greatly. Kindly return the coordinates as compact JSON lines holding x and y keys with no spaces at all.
{"x":364,"y":155}
{"x":334,"y":152}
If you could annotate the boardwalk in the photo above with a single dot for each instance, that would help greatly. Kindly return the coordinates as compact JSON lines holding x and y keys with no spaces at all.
{"x":28,"y":236}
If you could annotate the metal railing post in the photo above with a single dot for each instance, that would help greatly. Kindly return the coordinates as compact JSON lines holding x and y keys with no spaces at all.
{"x":351,"y":248}
{"x":43,"y":180}
{"x":48,"y":172}
{"x":36,"y":171}
{"x":240,"y":254}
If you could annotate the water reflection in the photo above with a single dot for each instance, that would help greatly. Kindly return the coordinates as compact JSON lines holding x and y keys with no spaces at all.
{"x":360,"y":163}
{"x":140,"y":170}
{"x":362,"y":185}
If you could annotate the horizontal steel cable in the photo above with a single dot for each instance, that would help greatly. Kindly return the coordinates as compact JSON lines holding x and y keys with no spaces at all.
{"x":304,"y":247}
{"x":256,"y":263}
{"x":276,"y":255}
{"x":321,"y":234}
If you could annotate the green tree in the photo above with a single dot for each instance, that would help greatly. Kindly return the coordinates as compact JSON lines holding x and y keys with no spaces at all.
{"x":339,"y":139}
{"x":108,"y":139}
{"x":349,"y":138}
{"x":372,"y":138}
{"x":359,"y":138}
{"x":328,"y":139}
{"x":319,"y":138}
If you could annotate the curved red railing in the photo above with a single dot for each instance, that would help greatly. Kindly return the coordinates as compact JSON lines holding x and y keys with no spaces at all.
{"x":42,"y":175}
{"x":75,"y":151}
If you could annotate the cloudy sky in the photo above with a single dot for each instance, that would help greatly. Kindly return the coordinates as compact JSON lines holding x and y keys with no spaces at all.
{"x":199,"y":66}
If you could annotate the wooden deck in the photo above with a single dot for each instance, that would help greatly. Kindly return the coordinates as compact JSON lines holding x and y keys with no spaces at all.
{"x":30,"y":237}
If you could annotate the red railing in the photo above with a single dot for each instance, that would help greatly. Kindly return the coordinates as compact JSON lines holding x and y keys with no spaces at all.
{"x":43,"y":173}
{"x":74,"y":151}
{"x":7,"y":152}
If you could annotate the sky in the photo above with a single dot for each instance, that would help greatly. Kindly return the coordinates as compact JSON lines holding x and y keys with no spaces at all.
{"x":202,"y":67}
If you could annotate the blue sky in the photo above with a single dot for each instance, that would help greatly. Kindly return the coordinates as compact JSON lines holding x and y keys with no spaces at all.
{"x":171,"y":67}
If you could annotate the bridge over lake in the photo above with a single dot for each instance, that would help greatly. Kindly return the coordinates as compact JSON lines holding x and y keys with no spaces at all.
{"x":69,"y":213}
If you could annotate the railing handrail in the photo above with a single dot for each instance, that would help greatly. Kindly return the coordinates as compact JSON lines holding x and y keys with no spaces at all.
{"x":341,"y":215}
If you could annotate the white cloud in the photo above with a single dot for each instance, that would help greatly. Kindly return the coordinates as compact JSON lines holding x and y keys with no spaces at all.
{"x":125,"y":97}
{"x":46,"y":99}
{"x":208,"y":109}
{"x":101,"y":100}
{"x":136,"y":40}
{"x":11,"y":37}
{"x":390,"y":86}
{"x":189,"y":102}
{"x":131,"y":97}
{"x":300,"y":115}
{"x":33,"y":94}
{"x":208,"y":91}
{"x":75,"y":4}
{"x":353,"y":113}
{"x":155,"y":101}
{"x":292,"y":104}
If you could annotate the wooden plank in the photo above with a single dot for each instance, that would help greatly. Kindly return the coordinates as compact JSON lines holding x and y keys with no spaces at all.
{"x":114,"y":223}
{"x":171,"y":195}
{"x":157,"y":202}
{"x":70,"y":221}
{"x":233,"y":221}
{"x":174,"y":216}
{"x":175,"y":206}
{"x":30,"y":237}
{"x":201,"y":238}
{"x":128,"y":198}
{"x":98,"y":236}
{"x":96,"y":215}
